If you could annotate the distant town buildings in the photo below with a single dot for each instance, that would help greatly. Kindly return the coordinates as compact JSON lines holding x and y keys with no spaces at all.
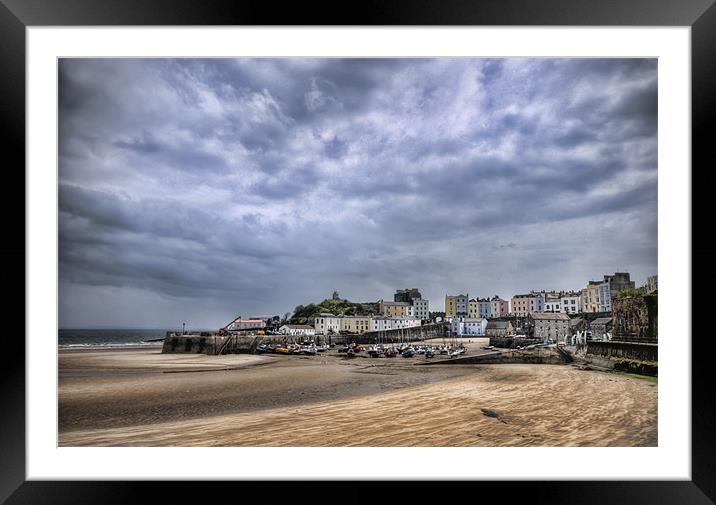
{"x":651,"y":283}
{"x":522,"y":305}
{"x":598,"y":295}
{"x":547,"y":312}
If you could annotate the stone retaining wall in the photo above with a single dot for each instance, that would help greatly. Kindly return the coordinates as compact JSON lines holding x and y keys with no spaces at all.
{"x":540,"y":355}
{"x":628,"y":350}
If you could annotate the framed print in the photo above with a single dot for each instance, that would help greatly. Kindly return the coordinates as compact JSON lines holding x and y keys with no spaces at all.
{"x":185,"y":164}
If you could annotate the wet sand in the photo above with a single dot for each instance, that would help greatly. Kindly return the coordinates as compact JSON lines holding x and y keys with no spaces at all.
{"x":140,"y":397}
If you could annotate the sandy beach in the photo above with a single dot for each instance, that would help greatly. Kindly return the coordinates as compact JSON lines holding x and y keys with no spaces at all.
{"x":140,"y":397}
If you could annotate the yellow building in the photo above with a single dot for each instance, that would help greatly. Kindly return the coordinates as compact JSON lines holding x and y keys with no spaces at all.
{"x":456,"y":305}
{"x":355,"y":324}
{"x":395,"y":309}
{"x":590,"y":297}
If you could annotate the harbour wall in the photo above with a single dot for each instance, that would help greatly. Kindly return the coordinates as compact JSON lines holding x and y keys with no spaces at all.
{"x":506,"y":342}
{"x":629,"y":350}
{"x":195,"y":343}
{"x":539,"y":355}
{"x":633,"y":357}
{"x":209,"y":343}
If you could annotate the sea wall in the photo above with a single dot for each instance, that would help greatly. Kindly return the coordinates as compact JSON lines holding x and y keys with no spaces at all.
{"x":512,"y":342}
{"x":196,"y":343}
{"x":629,"y":350}
{"x":633,"y":357}
{"x":539,"y":355}
{"x":192,"y":344}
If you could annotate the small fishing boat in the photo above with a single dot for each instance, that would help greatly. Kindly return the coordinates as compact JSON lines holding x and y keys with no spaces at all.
{"x":374,"y":352}
{"x":308,"y":350}
{"x":264,"y":349}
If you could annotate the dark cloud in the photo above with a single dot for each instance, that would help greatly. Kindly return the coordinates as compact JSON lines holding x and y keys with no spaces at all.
{"x":205,"y":188}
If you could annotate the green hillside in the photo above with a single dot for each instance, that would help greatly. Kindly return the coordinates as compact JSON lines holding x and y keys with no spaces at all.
{"x":305,"y":314}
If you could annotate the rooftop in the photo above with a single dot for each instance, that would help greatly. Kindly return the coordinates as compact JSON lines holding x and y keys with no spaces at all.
{"x":548,"y":316}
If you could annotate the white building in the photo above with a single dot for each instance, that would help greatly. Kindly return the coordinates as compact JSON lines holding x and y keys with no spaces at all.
{"x":498,"y":307}
{"x":472,"y":327}
{"x":552,"y":303}
{"x":421,"y":308}
{"x":384,"y":323}
{"x":327,"y":324}
{"x":571,"y":303}
{"x":553,"y":306}
{"x":297,"y":329}
{"x":605,"y":297}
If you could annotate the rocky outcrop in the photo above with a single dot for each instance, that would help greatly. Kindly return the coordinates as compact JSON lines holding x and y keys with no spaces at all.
{"x":635,"y":319}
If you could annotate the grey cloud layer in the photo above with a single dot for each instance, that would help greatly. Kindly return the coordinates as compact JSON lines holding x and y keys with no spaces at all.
{"x":251,"y":186}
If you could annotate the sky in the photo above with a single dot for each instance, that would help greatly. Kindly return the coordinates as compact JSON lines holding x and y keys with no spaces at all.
{"x":200,"y":190}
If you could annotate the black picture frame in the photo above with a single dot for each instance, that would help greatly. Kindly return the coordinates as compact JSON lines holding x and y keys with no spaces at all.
{"x":16,"y":15}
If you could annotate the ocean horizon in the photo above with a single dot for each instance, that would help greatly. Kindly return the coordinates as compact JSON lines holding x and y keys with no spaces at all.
{"x":112,"y":337}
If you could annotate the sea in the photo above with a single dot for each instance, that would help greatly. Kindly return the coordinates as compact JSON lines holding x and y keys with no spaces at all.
{"x":103,"y":338}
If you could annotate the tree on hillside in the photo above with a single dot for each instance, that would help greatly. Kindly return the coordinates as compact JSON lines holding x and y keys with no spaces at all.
{"x":632,"y":292}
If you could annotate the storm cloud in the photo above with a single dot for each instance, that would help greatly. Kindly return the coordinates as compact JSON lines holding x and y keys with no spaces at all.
{"x":197,"y":190}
